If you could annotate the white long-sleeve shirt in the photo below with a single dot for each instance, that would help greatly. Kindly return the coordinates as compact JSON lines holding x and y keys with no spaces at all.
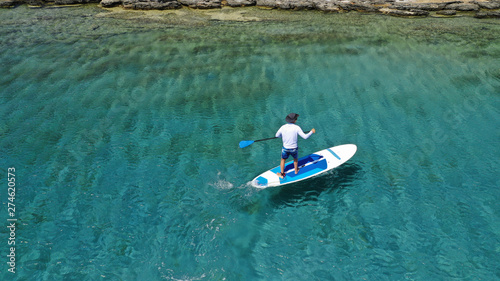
{"x":289,"y":132}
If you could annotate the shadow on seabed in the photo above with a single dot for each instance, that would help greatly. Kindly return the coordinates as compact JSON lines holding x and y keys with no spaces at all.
{"x":309,"y":190}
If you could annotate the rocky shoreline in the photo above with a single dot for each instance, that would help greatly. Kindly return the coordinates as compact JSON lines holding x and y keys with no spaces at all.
{"x":413,"y":8}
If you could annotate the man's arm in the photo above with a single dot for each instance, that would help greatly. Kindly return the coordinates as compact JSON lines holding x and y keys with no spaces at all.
{"x":306,"y":136}
{"x":278,"y":133}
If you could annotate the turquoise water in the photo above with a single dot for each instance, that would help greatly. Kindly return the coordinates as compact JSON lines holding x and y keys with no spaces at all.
{"x":123,"y":129}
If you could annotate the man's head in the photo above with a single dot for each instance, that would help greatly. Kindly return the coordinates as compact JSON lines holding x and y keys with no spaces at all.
{"x":292,"y":117}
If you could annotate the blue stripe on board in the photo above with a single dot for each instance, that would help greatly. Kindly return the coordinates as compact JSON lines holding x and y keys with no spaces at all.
{"x":304,"y":172}
{"x":262,"y":181}
{"x":334,"y":154}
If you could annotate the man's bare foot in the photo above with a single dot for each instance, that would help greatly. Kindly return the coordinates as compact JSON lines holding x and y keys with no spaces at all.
{"x":281,"y":175}
{"x":297,"y":171}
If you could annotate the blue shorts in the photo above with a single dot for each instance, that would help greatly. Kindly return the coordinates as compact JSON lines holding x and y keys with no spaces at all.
{"x":287,"y":152}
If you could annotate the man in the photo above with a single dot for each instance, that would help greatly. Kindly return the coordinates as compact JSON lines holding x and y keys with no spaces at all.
{"x":288,"y":134}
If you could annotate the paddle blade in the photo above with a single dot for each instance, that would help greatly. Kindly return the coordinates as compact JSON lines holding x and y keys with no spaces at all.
{"x":245,"y":143}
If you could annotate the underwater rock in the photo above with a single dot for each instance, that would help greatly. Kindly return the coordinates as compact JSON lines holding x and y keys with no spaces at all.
{"x":484,"y":15}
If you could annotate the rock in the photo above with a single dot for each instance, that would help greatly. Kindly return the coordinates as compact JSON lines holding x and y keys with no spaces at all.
{"x":290,"y":4}
{"x":462,"y":7}
{"x":489,"y":14}
{"x":208,"y":4}
{"x":241,"y":3}
{"x":295,"y":4}
{"x":151,"y":4}
{"x":380,"y":2}
{"x":71,"y":2}
{"x":35,"y":3}
{"x":488,"y":5}
{"x":287,"y":4}
{"x":447,"y":12}
{"x":358,"y":6}
{"x":453,"y":2}
{"x":326,"y":5}
{"x":202,"y":4}
{"x":111,"y":3}
{"x":266,"y":3}
{"x":404,"y":13}
{"x":10,"y":3}
{"x":403,"y":8}
{"x":419,"y":6}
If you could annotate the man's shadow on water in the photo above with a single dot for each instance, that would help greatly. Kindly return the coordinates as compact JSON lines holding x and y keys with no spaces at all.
{"x":309,"y":190}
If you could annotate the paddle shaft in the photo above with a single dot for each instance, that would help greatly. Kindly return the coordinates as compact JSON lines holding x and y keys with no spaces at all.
{"x":265,"y":139}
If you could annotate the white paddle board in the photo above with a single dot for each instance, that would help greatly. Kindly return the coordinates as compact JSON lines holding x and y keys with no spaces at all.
{"x":310,"y":166}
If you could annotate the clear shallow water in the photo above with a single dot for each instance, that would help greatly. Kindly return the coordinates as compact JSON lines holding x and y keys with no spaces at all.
{"x":124,"y":135}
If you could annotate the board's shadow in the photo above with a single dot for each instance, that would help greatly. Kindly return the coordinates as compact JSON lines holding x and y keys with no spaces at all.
{"x":309,"y":190}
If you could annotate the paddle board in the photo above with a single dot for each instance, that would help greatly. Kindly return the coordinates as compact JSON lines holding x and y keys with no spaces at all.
{"x":310,"y":166}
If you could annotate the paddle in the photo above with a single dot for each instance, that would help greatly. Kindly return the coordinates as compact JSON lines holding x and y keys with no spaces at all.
{"x":249,"y":142}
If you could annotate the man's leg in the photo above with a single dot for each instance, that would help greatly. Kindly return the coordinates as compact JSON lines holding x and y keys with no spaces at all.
{"x":282,"y":165}
{"x":295,"y":156}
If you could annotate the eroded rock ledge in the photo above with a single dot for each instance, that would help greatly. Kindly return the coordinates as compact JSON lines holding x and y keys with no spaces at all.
{"x":405,"y":8}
